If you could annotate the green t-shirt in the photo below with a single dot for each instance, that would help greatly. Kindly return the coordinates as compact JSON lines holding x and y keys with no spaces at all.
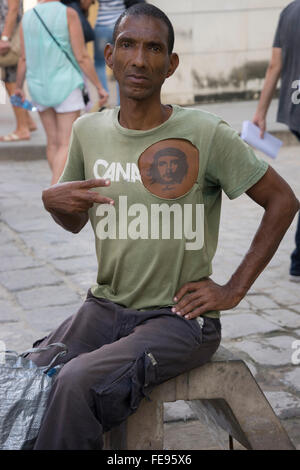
{"x":148,"y":246}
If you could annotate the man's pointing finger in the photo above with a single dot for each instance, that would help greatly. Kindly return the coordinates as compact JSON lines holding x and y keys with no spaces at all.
{"x":94,"y":183}
{"x":97,"y":198}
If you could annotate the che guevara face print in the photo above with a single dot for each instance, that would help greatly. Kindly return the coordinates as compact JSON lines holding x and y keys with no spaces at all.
{"x":169,"y":168}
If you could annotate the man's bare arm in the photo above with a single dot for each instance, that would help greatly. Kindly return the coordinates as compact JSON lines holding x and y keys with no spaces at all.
{"x":68,"y":203}
{"x":280,"y":204}
{"x":271,"y":79}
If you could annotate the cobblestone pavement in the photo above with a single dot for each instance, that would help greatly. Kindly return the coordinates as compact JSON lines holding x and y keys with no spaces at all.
{"x":45,"y":273}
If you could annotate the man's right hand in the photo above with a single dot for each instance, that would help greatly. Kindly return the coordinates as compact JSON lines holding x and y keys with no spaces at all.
{"x":74,"y":197}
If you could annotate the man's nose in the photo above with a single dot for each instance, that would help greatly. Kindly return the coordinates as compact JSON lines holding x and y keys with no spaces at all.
{"x":139,"y":58}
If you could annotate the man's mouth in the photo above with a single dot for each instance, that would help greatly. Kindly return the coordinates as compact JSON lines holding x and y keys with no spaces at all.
{"x":136,"y":78}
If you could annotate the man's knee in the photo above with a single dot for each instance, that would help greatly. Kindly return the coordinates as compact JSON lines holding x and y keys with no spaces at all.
{"x":75,"y":376}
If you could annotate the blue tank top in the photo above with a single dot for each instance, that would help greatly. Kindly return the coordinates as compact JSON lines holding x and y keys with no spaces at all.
{"x":50,"y":75}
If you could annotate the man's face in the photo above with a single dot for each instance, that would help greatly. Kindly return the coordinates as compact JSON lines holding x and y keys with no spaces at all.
{"x":167,"y":167}
{"x":140,"y":59}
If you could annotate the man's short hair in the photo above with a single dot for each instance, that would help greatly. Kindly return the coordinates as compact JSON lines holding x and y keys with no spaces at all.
{"x":146,"y":9}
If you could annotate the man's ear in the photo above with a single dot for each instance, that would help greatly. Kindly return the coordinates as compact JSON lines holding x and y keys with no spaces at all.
{"x":108,"y":55}
{"x":174,"y":62}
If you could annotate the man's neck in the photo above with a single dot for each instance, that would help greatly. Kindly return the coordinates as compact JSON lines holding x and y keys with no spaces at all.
{"x":143,"y":115}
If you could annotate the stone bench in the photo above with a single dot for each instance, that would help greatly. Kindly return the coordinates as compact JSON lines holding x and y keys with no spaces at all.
{"x":224,"y":391}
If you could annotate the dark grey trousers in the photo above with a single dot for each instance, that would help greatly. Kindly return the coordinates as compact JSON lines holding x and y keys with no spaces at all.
{"x":115,"y":357}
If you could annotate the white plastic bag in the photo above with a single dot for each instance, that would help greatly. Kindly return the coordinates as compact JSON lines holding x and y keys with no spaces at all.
{"x":24,"y":390}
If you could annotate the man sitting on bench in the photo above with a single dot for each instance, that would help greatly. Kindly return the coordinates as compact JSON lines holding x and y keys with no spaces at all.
{"x":149,"y":177}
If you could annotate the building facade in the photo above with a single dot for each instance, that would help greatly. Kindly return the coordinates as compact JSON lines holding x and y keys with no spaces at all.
{"x":224,"y":47}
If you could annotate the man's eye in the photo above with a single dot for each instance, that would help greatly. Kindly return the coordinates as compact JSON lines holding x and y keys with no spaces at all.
{"x":126,"y":44}
{"x":155,"y":48}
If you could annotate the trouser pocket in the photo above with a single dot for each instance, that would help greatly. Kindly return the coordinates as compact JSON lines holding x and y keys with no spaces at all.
{"x":211,"y":329}
{"x":120,"y":394}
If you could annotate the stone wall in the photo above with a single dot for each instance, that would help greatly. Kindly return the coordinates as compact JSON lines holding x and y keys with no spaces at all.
{"x":224,"y":47}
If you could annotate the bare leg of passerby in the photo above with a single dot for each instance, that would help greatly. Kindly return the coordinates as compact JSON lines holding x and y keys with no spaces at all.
{"x":64,"y":123}
{"x":58,"y":127}
{"x":24,"y":123}
{"x":48,"y":118}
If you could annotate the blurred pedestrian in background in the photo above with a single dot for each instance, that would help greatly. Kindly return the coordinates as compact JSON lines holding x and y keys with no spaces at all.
{"x":53,"y":58}
{"x":285,"y":64}
{"x":108,"y":13}
{"x":11,"y":12}
{"x":82,"y":8}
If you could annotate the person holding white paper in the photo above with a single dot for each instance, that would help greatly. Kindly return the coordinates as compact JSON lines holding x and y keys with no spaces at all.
{"x":270,"y":145}
{"x":285,"y":64}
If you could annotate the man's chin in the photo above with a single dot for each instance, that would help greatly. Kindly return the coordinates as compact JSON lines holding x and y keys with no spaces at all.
{"x":138,"y":93}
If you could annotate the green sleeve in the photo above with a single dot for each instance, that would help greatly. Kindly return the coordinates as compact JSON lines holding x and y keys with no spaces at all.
{"x":74,"y":168}
{"x":232,"y":164}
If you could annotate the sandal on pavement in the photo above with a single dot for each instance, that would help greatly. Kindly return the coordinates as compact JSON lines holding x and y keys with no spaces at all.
{"x":12,"y":138}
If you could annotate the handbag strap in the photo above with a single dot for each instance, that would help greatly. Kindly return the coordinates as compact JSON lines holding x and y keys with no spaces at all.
{"x":54,"y":39}
{"x":45,"y":348}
